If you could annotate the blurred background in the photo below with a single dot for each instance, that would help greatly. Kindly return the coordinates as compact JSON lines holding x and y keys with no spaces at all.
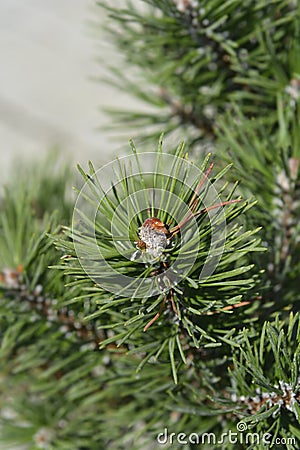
{"x":51,"y":53}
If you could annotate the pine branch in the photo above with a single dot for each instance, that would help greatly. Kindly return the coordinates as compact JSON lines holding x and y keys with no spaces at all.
{"x":271,"y":158}
{"x":158,"y":277}
{"x":205,"y":58}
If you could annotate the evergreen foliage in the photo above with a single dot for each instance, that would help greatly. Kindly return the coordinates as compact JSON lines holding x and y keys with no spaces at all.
{"x":204,"y":356}
{"x":201,"y":57}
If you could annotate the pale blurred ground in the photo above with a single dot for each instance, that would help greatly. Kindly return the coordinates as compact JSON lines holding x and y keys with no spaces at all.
{"x":49,"y":55}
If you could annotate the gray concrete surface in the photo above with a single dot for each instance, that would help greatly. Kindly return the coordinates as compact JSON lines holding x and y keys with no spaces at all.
{"x":49,"y":54}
